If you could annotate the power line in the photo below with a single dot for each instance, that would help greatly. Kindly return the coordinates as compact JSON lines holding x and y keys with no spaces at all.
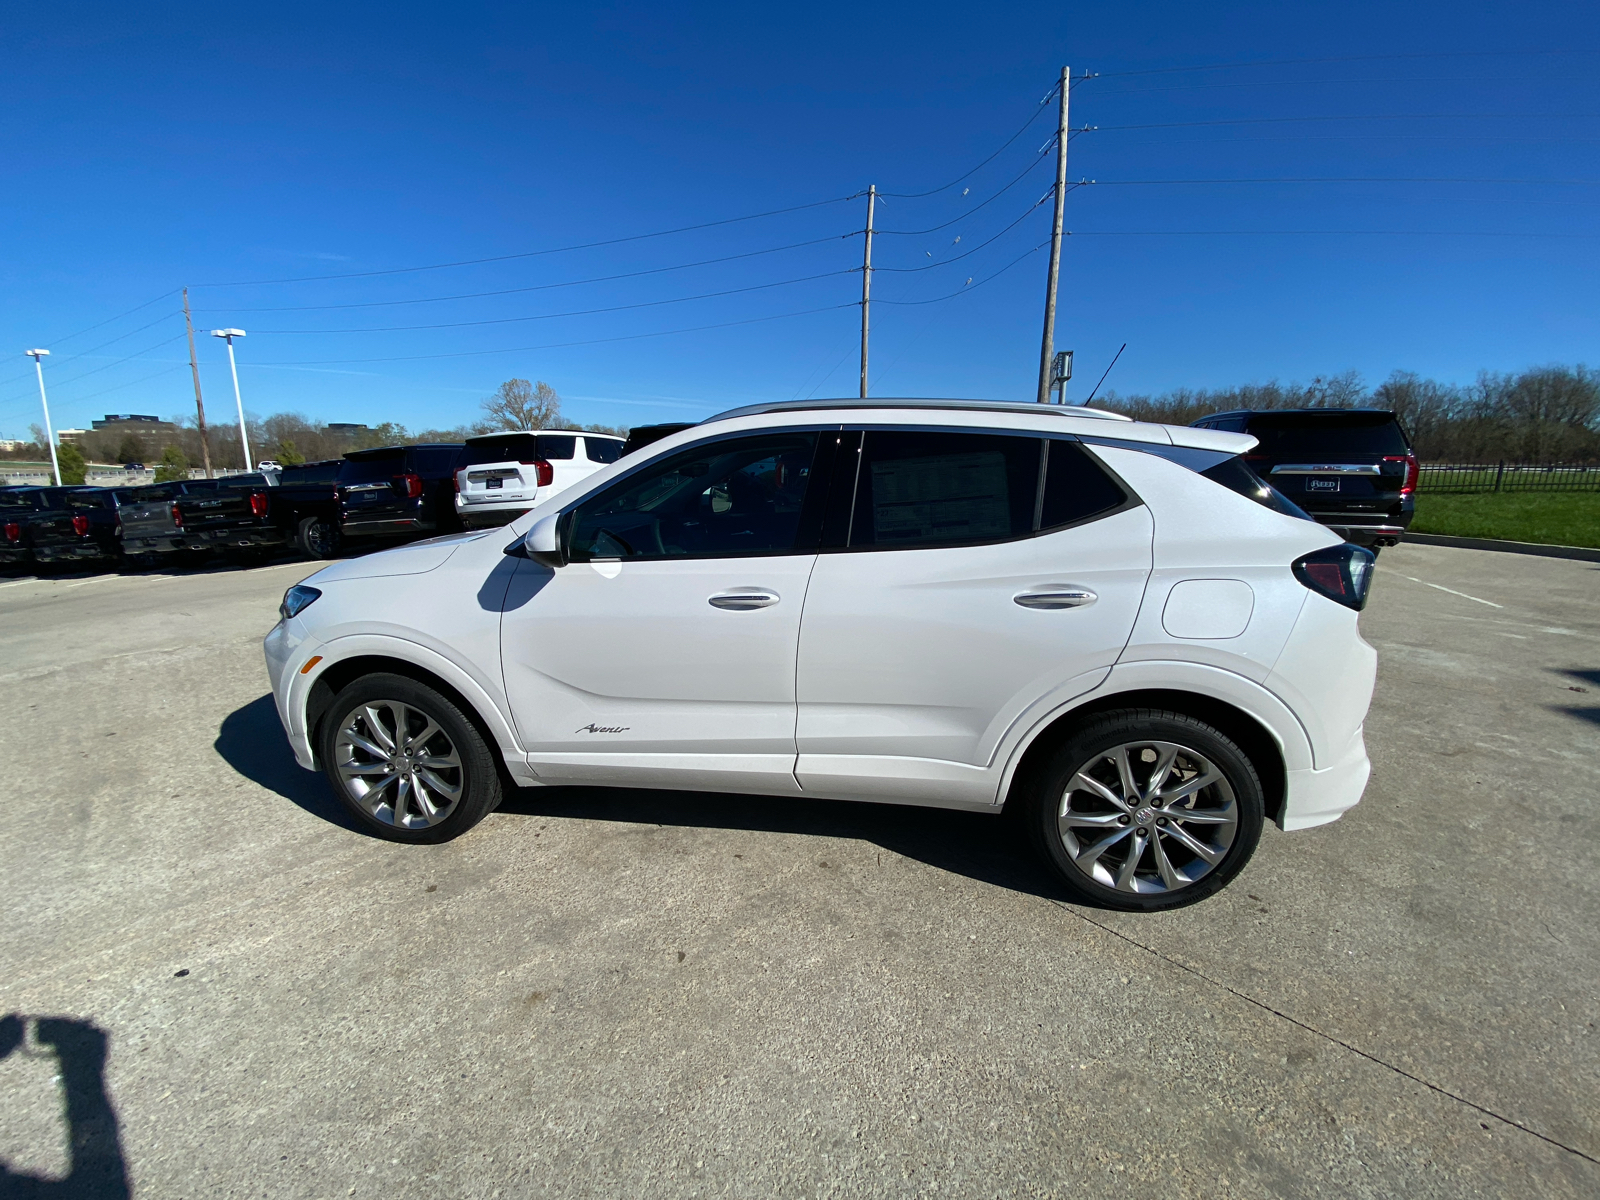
{"x":1043,"y":154}
{"x":130,"y":383}
{"x":970,"y":286}
{"x":118,"y":317}
{"x":471,"y":262}
{"x":1244,"y":83}
{"x":538,"y":287}
{"x":1367,"y":117}
{"x":1039,"y":108}
{"x":1296,"y":62}
{"x":947,"y":261}
{"x":558,"y":345}
{"x":1340,"y":179}
{"x":1321,"y":233}
{"x":583,"y":312}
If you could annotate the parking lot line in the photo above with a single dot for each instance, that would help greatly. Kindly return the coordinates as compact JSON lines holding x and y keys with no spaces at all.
{"x":1442,"y":588}
{"x":93,"y":579}
{"x":299,"y":562}
{"x":20,"y":582}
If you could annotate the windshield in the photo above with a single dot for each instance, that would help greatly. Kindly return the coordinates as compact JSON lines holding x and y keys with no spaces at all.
{"x":1324,"y":435}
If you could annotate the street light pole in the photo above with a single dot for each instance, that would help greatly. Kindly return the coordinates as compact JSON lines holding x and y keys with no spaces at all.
{"x":49,"y":433}
{"x":228,"y":335}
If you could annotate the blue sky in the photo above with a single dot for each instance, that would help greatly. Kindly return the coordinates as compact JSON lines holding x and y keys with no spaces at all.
{"x":150,"y":148}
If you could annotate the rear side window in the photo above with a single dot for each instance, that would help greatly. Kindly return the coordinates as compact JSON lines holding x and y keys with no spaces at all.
{"x":433,"y":460}
{"x":251,"y":479}
{"x":503,"y":448}
{"x":17,"y":501}
{"x":372,"y":470}
{"x":602,"y":450}
{"x":557,"y":446}
{"x":323,"y":472}
{"x":86,"y":500}
{"x":938,"y":489}
{"x":1076,"y":488}
{"x":1324,"y":436}
{"x":157,"y":492}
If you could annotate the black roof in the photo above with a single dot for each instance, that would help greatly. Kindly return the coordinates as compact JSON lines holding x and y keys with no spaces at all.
{"x":1295,"y":412}
{"x":385,"y":451}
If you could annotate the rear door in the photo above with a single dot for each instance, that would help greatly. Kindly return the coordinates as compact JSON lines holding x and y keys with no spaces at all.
{"x":374,"y":501}
{"x":500,"y":470}
{"x":983,"y":576}
{"x":1332,"y":463}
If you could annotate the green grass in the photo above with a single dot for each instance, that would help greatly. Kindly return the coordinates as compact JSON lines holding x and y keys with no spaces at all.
{"x":1554,"y":518}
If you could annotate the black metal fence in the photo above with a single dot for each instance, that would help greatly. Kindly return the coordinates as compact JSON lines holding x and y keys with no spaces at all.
{"x":1508,"y":477}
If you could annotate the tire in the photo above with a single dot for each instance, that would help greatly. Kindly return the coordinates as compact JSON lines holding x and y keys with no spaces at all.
{"x":447,"y":783}
{"x":318,"y":537}
{"x":1184,"y":848}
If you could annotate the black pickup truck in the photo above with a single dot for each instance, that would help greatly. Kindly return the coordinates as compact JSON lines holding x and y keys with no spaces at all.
{"x":232,"y":516}
{"x":391,"y":493}
{"x":62,"y":524}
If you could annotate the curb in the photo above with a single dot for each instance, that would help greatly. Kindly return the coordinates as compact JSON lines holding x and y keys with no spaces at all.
{"x":1583,"y":553}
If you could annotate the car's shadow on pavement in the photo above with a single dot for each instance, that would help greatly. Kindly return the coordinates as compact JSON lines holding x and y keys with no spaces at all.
{"x":977,"y":845}
{"x":252,"y":742}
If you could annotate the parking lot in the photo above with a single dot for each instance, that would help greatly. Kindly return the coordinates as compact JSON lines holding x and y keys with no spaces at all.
{"x":663,"y":994}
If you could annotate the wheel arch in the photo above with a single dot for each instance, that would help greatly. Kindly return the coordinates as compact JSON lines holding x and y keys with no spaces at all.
{"x":1246,"y":730}
{"x":464,"y":694}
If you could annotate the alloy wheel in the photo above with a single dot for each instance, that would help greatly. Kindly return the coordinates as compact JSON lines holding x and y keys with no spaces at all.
{"x":398,"y":764}
{"x":1147,"y":817}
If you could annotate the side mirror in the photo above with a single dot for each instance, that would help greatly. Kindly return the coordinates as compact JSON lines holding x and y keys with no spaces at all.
{"x":543,"y":542}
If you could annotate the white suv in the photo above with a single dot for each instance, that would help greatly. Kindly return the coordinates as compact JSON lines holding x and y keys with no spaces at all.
{"x":503,"y":475}
{"x":1113,"y":630}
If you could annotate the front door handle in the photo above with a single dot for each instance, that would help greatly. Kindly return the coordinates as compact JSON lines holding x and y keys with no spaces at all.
{"x":1061,"y":598}
{"x":744,"y":601}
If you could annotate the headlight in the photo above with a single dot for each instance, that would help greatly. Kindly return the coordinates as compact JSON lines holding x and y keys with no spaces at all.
{"x":296,"y":600}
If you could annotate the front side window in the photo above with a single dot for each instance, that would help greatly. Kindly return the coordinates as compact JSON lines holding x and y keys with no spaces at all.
{"x":737,"y":497}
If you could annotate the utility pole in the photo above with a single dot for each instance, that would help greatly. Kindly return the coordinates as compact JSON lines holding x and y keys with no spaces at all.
{"x":866,"y":284}
{"x":49,"y":433}
{"x":199,"y":404}
{"x":1048,"y":349}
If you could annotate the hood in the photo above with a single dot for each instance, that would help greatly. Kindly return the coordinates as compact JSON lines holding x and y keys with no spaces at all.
{"x":414,"y":559}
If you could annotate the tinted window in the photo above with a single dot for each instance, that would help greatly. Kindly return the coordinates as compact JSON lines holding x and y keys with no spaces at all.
{"x":602,"y":450}
{"x":157,"y":492}
{"x":380,"y":469}
{"x":322,"y":472}
{"x":1075,"y":487}
{"x":1235,"y":475}
{"x":735,"y":497}
{"x":252,"y":479}
{"x":555,"y":445}
{"x":85,"y":500}
{"x":1321,"y":435}
{"x":433,"y":460}
{"x":935,"y":489}
{"x":502,"y":448}
{"x":17,"y":500}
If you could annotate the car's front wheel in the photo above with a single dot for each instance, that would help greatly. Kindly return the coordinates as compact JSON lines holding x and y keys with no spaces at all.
{"x":406,"y":761}
{"x":1145,"y":810}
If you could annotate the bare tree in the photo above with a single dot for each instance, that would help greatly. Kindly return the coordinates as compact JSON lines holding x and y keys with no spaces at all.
{"x":518,"y":404}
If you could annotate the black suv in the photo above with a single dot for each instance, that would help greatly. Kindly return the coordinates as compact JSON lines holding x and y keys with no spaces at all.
{"x":1351,"y":468}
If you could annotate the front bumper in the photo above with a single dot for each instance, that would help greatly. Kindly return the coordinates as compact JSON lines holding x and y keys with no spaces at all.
{"x":287,"y":648}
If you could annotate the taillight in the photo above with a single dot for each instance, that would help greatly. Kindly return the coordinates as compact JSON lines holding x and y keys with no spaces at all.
{"x":543,"y":472}
{"x":1341,"y":573}
{"x":1413,"y":469}
{"x":455,"y":482}
{"x":13,"y":531}
{"x":80,"y":526}
{"x":177,"y":516}
{"x":258,"y":504}
{"x":410,"y":485}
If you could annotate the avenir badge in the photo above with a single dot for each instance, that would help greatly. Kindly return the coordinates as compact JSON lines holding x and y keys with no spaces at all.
{"x":593,"y":728}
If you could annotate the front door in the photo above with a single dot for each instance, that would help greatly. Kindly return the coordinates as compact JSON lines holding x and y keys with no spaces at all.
{"x":665,"y":649}
{"x":985,"y":576}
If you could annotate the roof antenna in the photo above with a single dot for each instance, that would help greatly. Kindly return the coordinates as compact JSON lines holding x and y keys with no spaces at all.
{"x":1114,"y":358}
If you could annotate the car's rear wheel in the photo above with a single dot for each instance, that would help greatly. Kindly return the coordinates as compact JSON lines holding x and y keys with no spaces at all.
{"x":1145,"y":810}
{"x":318,"y":537}
{"x":406,"y":761}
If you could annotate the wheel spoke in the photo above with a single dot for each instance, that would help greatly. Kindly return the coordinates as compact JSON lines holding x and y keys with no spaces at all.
{"x":402,"y":794}
{"x":1163,"y":864}
{"x":1202,"y":816}
{"x":1211,"y":854}
{"x":376,"y":730}
{"x":1131,"y":863}
{"x":1184,"y":790}
{"x":426,"y":778}
{"x":356,"y":769}
{"x":1089,"y":857}
{"x":1130,"y":789}
{"x":422,"y":739}
{"x":1091,"y":820}
{"x":1166,"y":757}
{"x":1088,"y":783}
{"x":372,"y":799}
{"x":361,"y":743}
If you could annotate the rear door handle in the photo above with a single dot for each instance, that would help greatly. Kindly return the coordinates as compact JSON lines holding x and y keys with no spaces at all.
{"x":743,"y":601}
{"x":1060,"y":598}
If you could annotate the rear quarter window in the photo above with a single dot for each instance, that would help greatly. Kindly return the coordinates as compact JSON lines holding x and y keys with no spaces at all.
{"x":557,"y":446}
{"x":602,"y":450}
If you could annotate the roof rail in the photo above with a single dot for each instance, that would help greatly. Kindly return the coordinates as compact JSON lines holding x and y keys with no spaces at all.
{"x":1013,"y":406}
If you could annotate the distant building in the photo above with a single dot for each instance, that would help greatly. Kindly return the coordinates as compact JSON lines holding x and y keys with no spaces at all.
{"x":141,"y":426}
{"x":74,"y":436}
{"x":8,"y":445}
{"x":345,"y":428}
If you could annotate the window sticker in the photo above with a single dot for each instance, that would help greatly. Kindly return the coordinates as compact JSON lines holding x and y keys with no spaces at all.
{"x":942,"y":498}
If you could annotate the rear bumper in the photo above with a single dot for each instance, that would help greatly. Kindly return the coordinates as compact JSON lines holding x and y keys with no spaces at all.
{"x":246,"y":538}
{"x":1316,"y":797}
{"x":15,"y":554}
{"x":88,"y":552}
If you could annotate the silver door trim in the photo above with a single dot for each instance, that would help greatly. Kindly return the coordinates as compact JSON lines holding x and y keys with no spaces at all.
{"x":1058,"y":598}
